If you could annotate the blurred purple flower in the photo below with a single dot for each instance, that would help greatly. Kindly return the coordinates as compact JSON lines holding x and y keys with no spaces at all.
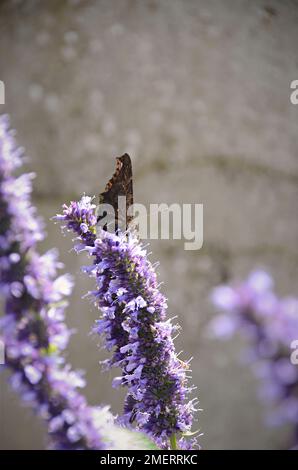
{"x":271,"y":324}
{"x":135,"y":327}
{"x":33,"y":328}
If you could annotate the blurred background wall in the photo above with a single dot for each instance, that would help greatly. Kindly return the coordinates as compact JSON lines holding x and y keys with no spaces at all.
{"x":198,"y":92}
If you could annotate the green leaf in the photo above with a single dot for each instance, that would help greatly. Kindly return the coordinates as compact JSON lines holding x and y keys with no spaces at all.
{"x":191,"y":433}
{"x":132,"y":440}
{"x":51,"y":349}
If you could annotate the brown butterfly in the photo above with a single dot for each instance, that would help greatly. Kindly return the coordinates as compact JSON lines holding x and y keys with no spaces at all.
{"x":119,"y":185}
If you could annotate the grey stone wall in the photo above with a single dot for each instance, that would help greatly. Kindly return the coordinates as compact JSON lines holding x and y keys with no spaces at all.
{"x":198,"y":93}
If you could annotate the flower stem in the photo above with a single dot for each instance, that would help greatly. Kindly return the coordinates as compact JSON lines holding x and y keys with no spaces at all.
{"x":173,"y":441}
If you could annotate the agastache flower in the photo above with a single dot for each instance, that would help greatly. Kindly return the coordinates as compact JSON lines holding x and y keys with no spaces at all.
{"x":33,"y":328}
{"x":134,"y":324}
{"x":270,"y":324}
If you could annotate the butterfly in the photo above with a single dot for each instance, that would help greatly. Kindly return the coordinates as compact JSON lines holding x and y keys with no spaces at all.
{"x":119,"y":185}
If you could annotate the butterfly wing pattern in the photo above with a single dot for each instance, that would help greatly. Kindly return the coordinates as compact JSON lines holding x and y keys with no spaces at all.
{"x":119,"y":185}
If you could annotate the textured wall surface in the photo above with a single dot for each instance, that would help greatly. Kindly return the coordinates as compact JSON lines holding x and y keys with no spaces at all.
{"x":198,"y":93}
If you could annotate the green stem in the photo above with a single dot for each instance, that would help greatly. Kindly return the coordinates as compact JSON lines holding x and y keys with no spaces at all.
{"x":173,"y":441}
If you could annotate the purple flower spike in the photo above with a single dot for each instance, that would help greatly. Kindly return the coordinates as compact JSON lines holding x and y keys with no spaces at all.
{"x":271,"y":325}
{"x":33,"y":328}
{"x":134,"y":324}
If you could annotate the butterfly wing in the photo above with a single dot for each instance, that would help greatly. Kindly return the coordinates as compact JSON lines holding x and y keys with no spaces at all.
{"x":119,"y":185}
